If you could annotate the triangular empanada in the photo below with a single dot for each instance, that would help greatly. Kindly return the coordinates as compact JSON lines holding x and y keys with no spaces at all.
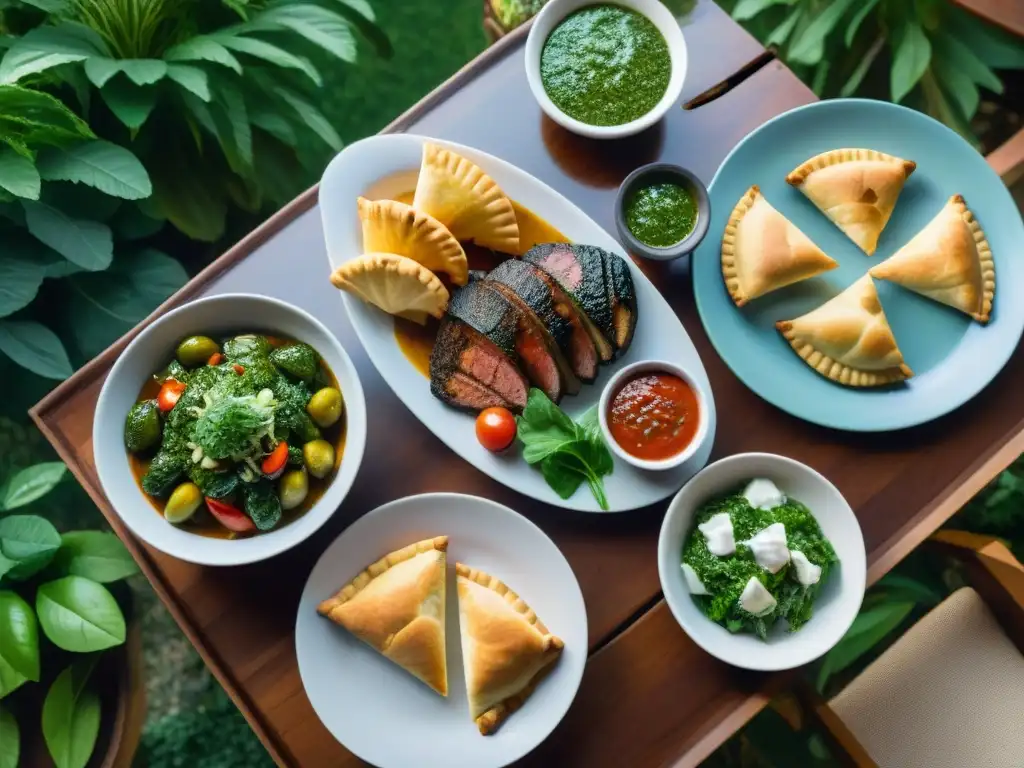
{"x":856,"y":188}
{"x":949,"y":261}
{"x":763,"y":251}
{"x":396,"y":606}
{"x":506,"y":649}
{"x":393,"y":227}
{"x":398,"y":285}
{"x":848,"y":339}
{"x":461,"y":196}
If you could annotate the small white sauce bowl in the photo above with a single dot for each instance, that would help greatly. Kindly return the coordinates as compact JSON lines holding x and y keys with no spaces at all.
{"x":653,"y":366}
{"x":149,"y":352}
{"x":549,"y":18}
{"x":836,"y":605}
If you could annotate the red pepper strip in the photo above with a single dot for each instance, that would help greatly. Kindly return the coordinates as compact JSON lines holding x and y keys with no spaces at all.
{"x":239,"y":369}
{"x":274,"y":463}
{"x":215,"y":359}
{"x":230,"y":517}
{"x":169,"y":393}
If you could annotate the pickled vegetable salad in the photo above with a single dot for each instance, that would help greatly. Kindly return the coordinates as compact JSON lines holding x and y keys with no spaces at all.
{"x":755,"y":557}
{"x":237,"y":427}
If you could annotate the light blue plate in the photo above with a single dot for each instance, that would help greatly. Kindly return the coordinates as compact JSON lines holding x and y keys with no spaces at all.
{"x":953,"y":357}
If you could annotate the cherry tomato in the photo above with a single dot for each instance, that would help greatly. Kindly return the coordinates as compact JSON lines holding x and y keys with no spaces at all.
{"x":169,"y":393}
{"x":496,"y":429}
{"x":274,"y":464}
{"x":239,"y":369}
{"x":229,"y":516}
{"x":215,"y":359}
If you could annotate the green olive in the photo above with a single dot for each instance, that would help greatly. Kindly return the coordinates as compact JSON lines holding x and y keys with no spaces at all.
{"x":319,"y":457}
{"x":142,"y":426}
{"x":196,"y":350}
{"x":325,"y":407}
{"x":292,"y":488}
{"x":183,"y":503}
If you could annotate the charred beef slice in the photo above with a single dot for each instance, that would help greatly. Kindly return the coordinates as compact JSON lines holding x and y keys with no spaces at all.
{"x":622,"y":298}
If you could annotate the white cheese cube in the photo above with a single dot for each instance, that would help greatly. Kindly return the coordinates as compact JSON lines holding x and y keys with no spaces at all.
{"x":762,"y":493}
{"x":718,"y":532}
{"x":769,"y":547}
{"x":807,"y":573}
{"x":693,"y":582}
{"x":756,"y":599}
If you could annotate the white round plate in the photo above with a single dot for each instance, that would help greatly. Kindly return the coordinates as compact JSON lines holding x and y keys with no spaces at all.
{"x":381,"y":712}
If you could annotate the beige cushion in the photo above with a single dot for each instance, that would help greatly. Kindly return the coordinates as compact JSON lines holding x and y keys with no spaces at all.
{"x":948,"y":694}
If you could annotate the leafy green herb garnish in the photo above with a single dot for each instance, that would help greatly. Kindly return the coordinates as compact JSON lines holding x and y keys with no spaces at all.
{"x":232,"y":426}
{"x":569,"y":453}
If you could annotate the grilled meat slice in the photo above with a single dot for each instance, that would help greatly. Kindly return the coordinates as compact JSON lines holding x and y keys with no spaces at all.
{"x":622,"y":298}
{"x":579,"y":271}
{"x":523,"y":286}
{"x":466,"y":393}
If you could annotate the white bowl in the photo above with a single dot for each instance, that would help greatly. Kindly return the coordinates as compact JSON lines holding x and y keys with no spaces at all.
{"x":655,"y":366}
{"x":660,"y":16}
{"x":149,"y":352}
{"x":836,"y":605}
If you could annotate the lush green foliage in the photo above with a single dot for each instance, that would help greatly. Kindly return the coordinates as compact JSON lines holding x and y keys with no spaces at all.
{"x":928,"y":54}
{"x":51,"y":589}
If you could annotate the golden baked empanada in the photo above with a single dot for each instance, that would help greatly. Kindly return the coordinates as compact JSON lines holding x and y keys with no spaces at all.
{"x":949,"y":261}
{"x":763,"y":251}
{"x":856,"y":188}
{"x":396,"y":606}
{"x":506,"y":649}
{"x":848,"y":339}
{"x":393,"y":227}
{"x":461,"y":196}
{"x":396,"y":284}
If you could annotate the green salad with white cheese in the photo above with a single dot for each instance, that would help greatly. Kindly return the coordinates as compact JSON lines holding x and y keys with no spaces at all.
{"x":756,"y":557}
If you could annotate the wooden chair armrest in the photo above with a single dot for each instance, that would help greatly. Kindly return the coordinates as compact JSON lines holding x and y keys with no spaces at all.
{"x":1008,"y":159}
{"x":994,"y":572}
{"x":840,"y":740}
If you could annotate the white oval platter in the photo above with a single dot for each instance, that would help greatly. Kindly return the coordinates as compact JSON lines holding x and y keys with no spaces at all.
{"x":383,"y":166}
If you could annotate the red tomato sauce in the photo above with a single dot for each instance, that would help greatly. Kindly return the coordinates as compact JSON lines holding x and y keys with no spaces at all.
{"x":654,"y":416}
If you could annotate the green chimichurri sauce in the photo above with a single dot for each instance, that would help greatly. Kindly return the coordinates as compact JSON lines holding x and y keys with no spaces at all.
{"x":662,"y":214}
{"x":605,"y":65}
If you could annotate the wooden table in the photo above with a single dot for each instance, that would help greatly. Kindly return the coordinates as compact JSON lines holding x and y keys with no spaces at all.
{"x":649,"y":695}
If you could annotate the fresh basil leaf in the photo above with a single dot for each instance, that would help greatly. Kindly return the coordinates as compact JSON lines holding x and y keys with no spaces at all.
{"x":29,"y":540}
{"x":10,"y":739}
{"x":563,"y":473}
{"x":31,"y":483}
{"x":542,"y":413}
{"x":79,"y":615}
{"x":10,"y":678}
{"x":95,"y":555}
{"x":19,"y":636}
{"x":71,"y":717}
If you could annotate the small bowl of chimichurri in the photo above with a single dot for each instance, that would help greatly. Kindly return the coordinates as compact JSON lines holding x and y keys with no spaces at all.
{"x":662,"y":211}
{"x":605,"y":69}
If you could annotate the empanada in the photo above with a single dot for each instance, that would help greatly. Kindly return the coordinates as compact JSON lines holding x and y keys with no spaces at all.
{"x":396,"y":284}
{"x":763,"y":251}
{"x":461,"y":196}
{"x":848,"y":339}
{"x":856,"y":188}
{"x":393,"y":227}
{"x":949,"y":261}
{"x":506,"y":649}
{"x":396,"y":606}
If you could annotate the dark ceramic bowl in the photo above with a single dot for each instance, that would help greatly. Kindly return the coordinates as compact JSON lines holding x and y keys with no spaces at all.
{"x":653,"y":174}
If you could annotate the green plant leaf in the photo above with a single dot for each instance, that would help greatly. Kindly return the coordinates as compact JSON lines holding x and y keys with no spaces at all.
{"x":270,"y":53}
{"x":140,"y":71}
{"x":194,"y":202}
{"x":808,"y":47}
{"x":30,"y":118}
{"x":867,"y":630}
{"x":105,"y":306}
{"x":781,"y":33}
{"x":131,"y":223}
{"x":271,"y":121}
{"x":857,"y":76}
{"x":232,"y":128}
{"x":912,"y":55}
{"x":320,"y":26}
{"x":203,"y":48}
{"x":18,"y":175}
{"x":79,"y":615}
{"x":907,"y":588}
{"x":956,"y":55}
{"x":748,"y":9}
{"x":71,"y":717}
{"x":89,"y":244}
{"x":44,"y":47}
{"x":312,"y":117}
{"x":361,"y":15}
{"x":29,"y":540}
{"x":19,"y":636}
{"x":820,"y":77}
{"x":996,"y":47}
{"x":95,"y":555}
{"x":937,"y":105}
{"x":10,"y":739}
{"x":31,"y":483}
{"x":50,"y":6}
{"x":130,"y":103}
{"x":958,"y":85}
{"x":107,"y":167}
{"x":858,"y":18}
{"x":192,"y":79}
{"x":20,"y":278}
{"x":35,"y":347}
{"x":10,"y":678}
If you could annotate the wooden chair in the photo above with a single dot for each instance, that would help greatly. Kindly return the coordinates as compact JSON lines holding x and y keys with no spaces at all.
{"x":950,"y":692}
